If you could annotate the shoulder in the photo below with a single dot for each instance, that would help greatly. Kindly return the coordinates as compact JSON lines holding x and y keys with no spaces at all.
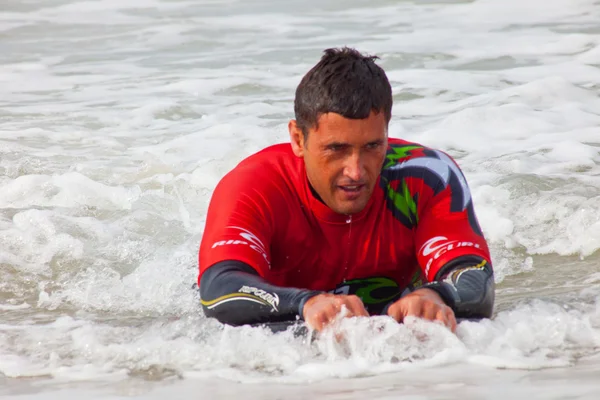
{"x":401,"y":151}
{"x":414,"y":174}
{"x":263,"y":178}
{"x":404,"y":159}
{"x":264,"y":167}
{"x":267,"y":158}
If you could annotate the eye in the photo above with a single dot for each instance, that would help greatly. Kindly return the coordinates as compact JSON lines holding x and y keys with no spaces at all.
{"x":335,"y":147}
{"x":373,"y":146}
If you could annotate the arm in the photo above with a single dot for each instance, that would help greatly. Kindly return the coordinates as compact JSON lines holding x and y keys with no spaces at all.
{"x":233,"y":292}
{"x":467,"y":286}
{"x":234,"y":256}
{"x":452,"y":249}
{"x":235,"y":260}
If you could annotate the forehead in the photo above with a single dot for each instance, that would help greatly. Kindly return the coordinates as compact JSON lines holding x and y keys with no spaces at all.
{"x":335,"y":127}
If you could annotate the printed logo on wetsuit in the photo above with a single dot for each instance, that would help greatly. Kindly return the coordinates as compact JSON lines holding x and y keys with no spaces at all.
{"x":248,"y":239}
{"x":375,"y":292}
{"x":455,"y":275}
{"x":245,"y":293}
{"x":435,"y":247}
{"x":271,"y":298}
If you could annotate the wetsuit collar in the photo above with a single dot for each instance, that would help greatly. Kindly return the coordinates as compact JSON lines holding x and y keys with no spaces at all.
{"x":324,"y":213}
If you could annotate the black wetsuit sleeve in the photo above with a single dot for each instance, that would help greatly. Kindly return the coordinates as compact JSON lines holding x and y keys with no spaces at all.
{"x":233,"y":293}
{"x":466,"y":284}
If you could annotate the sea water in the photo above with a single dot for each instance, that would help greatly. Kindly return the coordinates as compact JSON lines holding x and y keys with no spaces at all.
{"x":118,"y":118}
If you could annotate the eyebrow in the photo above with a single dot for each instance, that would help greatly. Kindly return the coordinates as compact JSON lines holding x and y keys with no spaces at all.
{"x":336,"y":144}
{"x":345,"y":145}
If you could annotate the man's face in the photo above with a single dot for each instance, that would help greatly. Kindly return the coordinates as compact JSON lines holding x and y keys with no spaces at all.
{"x":343,"y":158}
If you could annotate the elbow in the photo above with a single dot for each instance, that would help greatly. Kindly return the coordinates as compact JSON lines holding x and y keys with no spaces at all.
{"x":229,"y":313}
{"x":221,"y":300}
{"x":220,"y":309}
{"x":220,"y":314}
{"x":477,"y":304}
{"x":213,"y":300}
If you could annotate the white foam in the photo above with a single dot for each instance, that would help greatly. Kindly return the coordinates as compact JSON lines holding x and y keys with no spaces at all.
{"x":67,"y":190}
{"x":591,"y":56}
{"x":12,"y":307}
{"x":535,"y":336}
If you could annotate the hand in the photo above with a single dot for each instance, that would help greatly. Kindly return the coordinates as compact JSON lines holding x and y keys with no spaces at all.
{"x":423,"y":303}
{"x":322,"y":309}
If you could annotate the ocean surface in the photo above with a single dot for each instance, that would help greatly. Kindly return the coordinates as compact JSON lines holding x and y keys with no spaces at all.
{"x":118,"y":118}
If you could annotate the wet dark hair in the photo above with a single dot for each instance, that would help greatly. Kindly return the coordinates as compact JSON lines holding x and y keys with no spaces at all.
{"x":344,"y":82}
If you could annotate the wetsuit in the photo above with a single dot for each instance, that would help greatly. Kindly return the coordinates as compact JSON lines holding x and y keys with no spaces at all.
{"x":270,"y":243}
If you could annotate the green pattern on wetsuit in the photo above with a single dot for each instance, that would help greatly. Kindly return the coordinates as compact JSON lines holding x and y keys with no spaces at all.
{"x":400,"y":200}
{"x":375,"y":292}
{"x":397,"y":153}
{"x":404,"y":202}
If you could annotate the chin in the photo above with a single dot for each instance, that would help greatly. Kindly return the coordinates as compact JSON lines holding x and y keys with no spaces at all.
{"x":353,"y":208}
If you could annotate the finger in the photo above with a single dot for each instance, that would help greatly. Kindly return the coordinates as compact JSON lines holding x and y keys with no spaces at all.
{"x":414,"y":309}
{"x":344,"y":312}
{"x":399,"y":311}
{"x":322,"y":320}
{"x":356,"y":306}
{"x":346,"y":306}
{"x":442,"y":317}
{"x":430,"y":311}
{"x":452,"y":319}
{"x":339,"y":337}
{"x":446,"y":316}
{"x":334,"y":310}
{"x":341,"y":309}
{"x":393,"y":313}
{"x":313,"y":323}
{"x":321,"y":317}
{"x":313,"y":320}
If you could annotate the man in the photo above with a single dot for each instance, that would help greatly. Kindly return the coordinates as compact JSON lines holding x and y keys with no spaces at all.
{"x":344,"y":219}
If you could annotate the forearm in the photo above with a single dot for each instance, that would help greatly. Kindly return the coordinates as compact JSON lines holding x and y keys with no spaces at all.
{"x":234,"y":293}
{"x":467,"y":286}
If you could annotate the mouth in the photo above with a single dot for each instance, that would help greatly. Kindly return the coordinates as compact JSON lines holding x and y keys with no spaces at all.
{"x":352,"y":191}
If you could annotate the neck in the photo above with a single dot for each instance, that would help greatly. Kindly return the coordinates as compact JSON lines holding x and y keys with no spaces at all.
{"x":315,"y":194}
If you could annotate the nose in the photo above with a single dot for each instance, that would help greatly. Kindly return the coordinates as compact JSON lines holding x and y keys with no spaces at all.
{"x":354,"y":167}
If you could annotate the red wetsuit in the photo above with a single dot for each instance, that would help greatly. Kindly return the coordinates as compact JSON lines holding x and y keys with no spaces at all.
{"x":419,"y":218}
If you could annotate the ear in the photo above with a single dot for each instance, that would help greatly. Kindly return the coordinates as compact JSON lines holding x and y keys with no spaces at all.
{"x":297,"y":138}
